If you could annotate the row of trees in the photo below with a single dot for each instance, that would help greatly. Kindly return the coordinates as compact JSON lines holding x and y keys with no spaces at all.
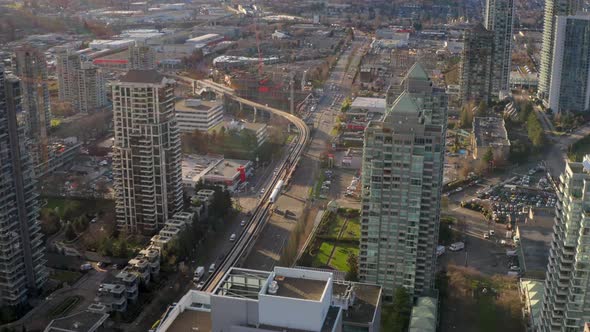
{"x":222,"y":141}
{"x":219,"y":210}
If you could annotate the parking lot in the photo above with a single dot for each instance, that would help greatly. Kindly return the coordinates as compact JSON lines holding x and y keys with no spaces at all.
{"x":489,"y":256}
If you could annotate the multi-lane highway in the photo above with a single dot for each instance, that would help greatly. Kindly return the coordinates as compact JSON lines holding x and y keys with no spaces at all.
{"x":285,"y":170}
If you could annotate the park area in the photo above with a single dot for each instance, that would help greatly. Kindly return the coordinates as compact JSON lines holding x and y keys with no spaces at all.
{"x":335,"y":240}
{"x":579,"y":149}
{"x":470,"y":301}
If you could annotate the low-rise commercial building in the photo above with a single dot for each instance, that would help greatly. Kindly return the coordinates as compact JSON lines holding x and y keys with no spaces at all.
{"x":490,"y":133}
{"x":285,"y":299}
{"x":197,"y":114}
{"x":260,"y":130}
{"x":227,"y":173}
{"x":424,"y":315}
{"x":364,"y":106}
{"x":204,"y":40}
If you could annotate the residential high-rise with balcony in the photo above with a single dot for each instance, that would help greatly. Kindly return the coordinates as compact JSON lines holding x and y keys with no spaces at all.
{"x":30,"y":66}
{"x":499,"y":18}
{"x":22,"y":261}
{"x":80,"y":83}
{"x":402,"y":172}
{"x":147,"y":159}
{"x":570,"y":74}
{"x":553,"y":8}
{"x":566,"y":304}
{"x":142,"y":57}
{"x":476,"y":64}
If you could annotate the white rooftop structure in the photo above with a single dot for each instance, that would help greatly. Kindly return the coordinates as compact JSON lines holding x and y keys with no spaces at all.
{"x":284,"y":299}
{"x":369,"y":105}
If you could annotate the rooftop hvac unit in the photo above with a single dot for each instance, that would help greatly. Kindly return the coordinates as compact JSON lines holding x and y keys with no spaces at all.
{"x":273,"y":287}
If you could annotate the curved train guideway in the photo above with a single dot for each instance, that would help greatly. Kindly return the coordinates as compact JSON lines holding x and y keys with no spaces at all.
{"x":285,"y":170}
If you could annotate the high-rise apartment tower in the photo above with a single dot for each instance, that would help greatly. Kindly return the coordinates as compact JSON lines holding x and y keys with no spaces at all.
{"x":402,"y":173}
{"x":80,"y":82}
{"x":147,"y":157}
{"x":30,"y":66}
{"x":570,"y":74}
{"x":553,"y":8}
{"x":566,"y":304}
{"x":142,"y":57}
{"x":476,"y":64}
{"x":499,"y":18}
{"x":22,"y":261}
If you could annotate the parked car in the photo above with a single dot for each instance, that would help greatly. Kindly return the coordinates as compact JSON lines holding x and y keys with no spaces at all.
{"x":440,"y":250}
{"x":212,"y":268}
{"x":243,"y":223}
{"x":232,"y":238}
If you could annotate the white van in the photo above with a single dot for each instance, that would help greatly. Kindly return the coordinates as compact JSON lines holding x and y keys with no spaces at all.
{"x":511,"y":253}
{"x":199,"y":272}
{"x":457,"y":246}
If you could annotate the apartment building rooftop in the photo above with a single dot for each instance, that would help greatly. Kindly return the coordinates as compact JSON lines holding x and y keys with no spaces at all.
{"x":367,"y":299}
{"x":299,"y":288}
{"x":84,"y":321}
{"x":287,"y":299}
{"x":490,"y":131}
{"x":142,"y":76}
{"x":194,"y":105}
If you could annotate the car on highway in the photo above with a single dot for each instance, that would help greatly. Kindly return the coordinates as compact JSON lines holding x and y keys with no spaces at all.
{"x":232,"y":238}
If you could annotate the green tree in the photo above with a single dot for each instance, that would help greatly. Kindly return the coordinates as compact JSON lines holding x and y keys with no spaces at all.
{"x":535,"y":130}
{"x":123,"y":248}
{"x":488,"y":157}
{"x":353,"y":267}
{"x":70,"y":233}
{"x":465,"y":118}
{"x":106,"y":247}
{"x":481,"y":109}
{"x":397,"y":315}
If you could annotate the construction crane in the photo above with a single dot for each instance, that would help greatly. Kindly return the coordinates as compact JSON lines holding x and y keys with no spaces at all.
{"x":260,"y":60}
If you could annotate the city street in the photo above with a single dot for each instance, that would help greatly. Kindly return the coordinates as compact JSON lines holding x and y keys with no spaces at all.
{"x":269,"y":246}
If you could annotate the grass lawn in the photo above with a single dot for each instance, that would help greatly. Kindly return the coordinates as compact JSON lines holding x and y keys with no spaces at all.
{"x":66,"y":276}
{"x":318,"y":185}
{"x":335,"y":227}
{"x":290,"y":138}
{"x":339,"y":260}
{"x":353,"y":229}
{"x":321,"y":257}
